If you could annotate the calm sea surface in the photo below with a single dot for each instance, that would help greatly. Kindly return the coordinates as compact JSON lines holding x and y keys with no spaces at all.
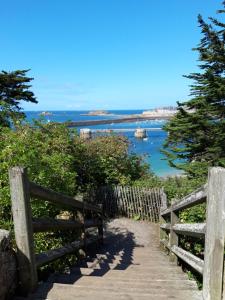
{"x":149,"y":147}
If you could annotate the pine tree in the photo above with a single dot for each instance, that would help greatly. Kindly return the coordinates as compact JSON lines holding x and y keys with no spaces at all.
{"x":14,"y":88}
{"x":196,"y":134}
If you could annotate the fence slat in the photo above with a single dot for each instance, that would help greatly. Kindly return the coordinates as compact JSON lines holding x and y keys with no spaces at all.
{"x":131,"y":201}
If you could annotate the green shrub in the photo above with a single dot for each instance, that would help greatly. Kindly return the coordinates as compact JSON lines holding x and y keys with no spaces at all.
{"x":55,"y":157}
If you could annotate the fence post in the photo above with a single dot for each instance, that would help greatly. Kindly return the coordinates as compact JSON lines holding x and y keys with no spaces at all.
{"x":173,"y":239}
{"x":23,"y":228}
{"x":214,"y":239}
{"x":163,"y":206}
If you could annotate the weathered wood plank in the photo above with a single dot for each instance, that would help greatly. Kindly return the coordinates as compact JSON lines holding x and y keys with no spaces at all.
{"x":192,"y":260}
{"x":51,"y":255}
{"x":138,"y":201}
{"x":22,"y":217}
{"x":165,"y":226}
{"x":163,"y":200}
{"x":194,"y":230}
{"x":131,"y":201}
{"x":57,"y":198}
{"x":173,"y":238}
{"x":215,"y":232}
{"x":44,"y":225}
{"x":197,"y":197}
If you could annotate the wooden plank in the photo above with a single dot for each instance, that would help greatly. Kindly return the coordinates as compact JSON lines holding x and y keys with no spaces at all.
{"x":119,"y":209}
{"x":106,"y":200}
{"x":44,"y":225}
{"x":144,"y":201}
{"x":129,"y":198}
{"x":125,"y":189}
{"x":155,"y":205}
{"x":138,"y":201}
{"x":99,"y":226}
{"x":165,"y":226}
{"x":22,"y":217}
{"x":197,"y":197}
{"x":164,"y":231}
{"x":118,"y":213}
{"x":163,"y":200}
{"x":130,"y":202}
{"x":123,"y":200}
{"x":57,"y":198}
{"x":134,"y":201}
{"x":195,"y":230}
{"x":195,"y":262}
{"x":115,"y":202}
{"x":51,"y":255}
{"x":158,"y":204}
{"x":147,"y":204}
{"x":147,"y":195}
{"x":215,"y":232}
{"x":111,"y":202}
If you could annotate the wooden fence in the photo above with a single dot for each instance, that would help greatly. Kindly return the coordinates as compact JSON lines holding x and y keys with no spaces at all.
{"x":213,"y":230}
{"x":131,"y":201}
{"x":24,"y":225}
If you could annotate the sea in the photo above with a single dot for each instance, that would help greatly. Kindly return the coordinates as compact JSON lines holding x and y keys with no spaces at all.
{"x":149,"y":148}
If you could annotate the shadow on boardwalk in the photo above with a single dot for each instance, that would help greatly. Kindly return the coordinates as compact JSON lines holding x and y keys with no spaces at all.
{"x":129,"y":265}
{"x":116,"y":253}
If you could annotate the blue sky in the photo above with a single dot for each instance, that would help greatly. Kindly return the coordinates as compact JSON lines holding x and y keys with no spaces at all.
{"x":103,"y":54}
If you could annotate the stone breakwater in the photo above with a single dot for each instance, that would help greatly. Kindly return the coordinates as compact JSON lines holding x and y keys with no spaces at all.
{"x":120,"y":120}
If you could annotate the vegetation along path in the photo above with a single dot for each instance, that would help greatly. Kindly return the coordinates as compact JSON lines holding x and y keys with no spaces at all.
{"x":129,"y":265}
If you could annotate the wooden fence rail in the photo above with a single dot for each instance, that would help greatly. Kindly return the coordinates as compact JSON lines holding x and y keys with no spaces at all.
{"x":213,"y":230}
{"x":131,"y":201}
{"x":24,"y":225}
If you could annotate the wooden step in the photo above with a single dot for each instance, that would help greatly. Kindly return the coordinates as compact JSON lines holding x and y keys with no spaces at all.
{"x":126,"y":282}
{"x":122,"y":270}
{"x":68,"y":292}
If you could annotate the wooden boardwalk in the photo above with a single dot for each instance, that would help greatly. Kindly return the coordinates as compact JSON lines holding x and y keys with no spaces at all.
{"x":130,"y":265}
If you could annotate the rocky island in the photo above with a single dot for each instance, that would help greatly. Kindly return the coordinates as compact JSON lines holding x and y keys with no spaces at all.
{"x":97,"y":113}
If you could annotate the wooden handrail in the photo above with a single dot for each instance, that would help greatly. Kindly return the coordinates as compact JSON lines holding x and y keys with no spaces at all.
{"x":57,"y":198}
{"x":197,"y":197}
{"x":192,"y":260}
{"x":22,"y":190}
{"x":194,"y":230}
{"x":213,"y":231}
{"x":44,"y":225}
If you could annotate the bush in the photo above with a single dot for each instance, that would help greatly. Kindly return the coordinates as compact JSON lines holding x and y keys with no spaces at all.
{"x":105,"y":161}
{"x":57,"y":158}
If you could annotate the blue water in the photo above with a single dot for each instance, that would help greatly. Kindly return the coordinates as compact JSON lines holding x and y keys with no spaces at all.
{"x":150,"y":148}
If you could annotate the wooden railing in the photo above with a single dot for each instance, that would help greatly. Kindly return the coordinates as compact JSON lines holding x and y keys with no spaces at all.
{"x":213,"y":230}
{"x":25,"y":226}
